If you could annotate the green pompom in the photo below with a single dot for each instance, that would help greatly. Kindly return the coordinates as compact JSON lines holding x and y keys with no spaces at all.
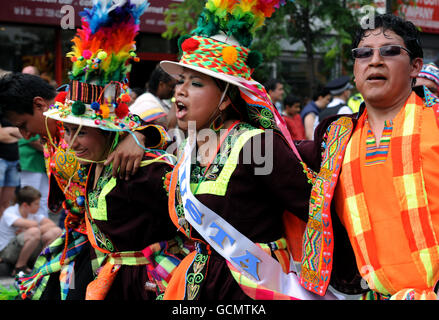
{"x":78,"y":108}
{"x":181,"y":40}
{"x":254,"y":59}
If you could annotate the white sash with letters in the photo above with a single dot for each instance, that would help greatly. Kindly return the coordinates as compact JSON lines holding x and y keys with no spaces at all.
{"x":242,"y":253}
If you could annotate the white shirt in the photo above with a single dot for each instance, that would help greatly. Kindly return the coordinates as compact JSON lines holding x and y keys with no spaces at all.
{"x":7,"y":230}
{"x":147,"y":101}
{"x":343,"y":110}
{"x":335,"y":102}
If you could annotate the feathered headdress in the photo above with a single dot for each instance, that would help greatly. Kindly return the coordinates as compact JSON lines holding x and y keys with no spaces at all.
{"x":105,"y":42}
{"x":219,"y":47}
{"x":101,"y":54}
{"x":239,"y":19}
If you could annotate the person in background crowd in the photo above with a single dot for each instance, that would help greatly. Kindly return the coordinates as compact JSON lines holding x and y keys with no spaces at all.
{"x":9,"y":159}
{"x":355,"y":101}
{"x":311,"y":111}
{"x":153,"y":105}
{"x":9,"y":163}
{"x":24,"y":231}
{"x":31,"y":70}
{"x":429,"y":77}
{"x":33,"y":168}
{"x":275,"y":90}
{"x":135,"y":93}
{"x":340,"y":89}
{"x":292,"y":117}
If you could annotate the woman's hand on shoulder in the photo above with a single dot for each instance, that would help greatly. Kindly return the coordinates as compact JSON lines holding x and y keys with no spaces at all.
{"x":127,"y":157}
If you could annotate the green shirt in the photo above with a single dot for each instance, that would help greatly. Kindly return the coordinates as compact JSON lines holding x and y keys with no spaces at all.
{"x":30,"y":158}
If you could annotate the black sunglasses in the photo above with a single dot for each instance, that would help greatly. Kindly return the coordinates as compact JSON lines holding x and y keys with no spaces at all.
{"x":385,"y":51}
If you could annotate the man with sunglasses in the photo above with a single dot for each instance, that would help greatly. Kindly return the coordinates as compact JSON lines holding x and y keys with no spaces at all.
{"x":376,"y":189}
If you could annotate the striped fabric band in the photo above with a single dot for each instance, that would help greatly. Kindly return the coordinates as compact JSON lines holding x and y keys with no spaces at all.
{"x":318,"y":240}
{"x":378,"y":154}
{"x":85,"y":92}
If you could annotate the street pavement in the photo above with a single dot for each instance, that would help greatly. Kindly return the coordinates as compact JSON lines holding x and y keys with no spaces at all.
{"x":6,"y":281}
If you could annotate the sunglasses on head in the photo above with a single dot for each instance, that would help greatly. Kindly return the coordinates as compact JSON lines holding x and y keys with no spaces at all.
{"x":385,"y":51}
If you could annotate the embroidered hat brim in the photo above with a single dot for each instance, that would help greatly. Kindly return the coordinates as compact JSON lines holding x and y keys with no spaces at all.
{"x":176,"y":68}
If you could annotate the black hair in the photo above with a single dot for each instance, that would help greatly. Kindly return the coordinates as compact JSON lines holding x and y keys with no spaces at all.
{"x":320,"y":91}
{"x":18,"y":90}
{"x":238,"y":109}
{"x":291,"y":99}
{"x":271,"y":84}
{"x":405,"y":29}
{"x":158,"y":75}
{"x":137,"y":90}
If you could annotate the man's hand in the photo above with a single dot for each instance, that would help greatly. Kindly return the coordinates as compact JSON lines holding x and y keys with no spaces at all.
{"x":127,"y":156}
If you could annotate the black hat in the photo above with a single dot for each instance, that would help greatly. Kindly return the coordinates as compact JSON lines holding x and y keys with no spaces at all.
{"x":337,"y":86}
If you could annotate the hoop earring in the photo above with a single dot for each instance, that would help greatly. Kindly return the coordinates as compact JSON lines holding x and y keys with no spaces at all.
{"x":218,"y":123}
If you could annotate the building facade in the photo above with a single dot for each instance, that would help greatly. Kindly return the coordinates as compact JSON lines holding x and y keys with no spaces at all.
{"x":39,"y":33}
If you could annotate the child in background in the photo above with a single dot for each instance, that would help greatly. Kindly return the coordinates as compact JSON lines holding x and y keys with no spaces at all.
{"x":24,"y":231}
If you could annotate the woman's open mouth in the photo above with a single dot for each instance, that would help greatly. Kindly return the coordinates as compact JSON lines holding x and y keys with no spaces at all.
{"x":181,"y":110}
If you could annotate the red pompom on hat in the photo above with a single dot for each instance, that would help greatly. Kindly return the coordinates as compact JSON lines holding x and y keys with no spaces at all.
{"x":190,"y":45}
{"x":61,"y":97}
{"x":122,"y":110}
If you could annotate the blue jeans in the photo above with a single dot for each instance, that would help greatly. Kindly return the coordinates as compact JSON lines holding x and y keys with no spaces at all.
{"x":9,"y":174}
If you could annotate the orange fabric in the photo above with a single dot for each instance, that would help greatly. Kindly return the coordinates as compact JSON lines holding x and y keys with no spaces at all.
{"x":171,"y":197}
{"x":393,"y":252}
{"x":176,"y":287}
{"x":98,"y":288}
{"x":430,"y":159}
{"x":294,"y":230}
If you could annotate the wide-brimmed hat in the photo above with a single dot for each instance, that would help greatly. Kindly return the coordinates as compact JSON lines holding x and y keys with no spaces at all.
{"x":97,"y":95}
{"x":220,"y":47}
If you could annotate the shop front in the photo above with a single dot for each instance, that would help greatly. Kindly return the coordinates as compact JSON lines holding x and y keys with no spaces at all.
{"x":39,"y":33}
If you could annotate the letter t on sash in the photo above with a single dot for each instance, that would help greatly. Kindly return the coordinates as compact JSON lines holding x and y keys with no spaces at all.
{"x":220,"y":236}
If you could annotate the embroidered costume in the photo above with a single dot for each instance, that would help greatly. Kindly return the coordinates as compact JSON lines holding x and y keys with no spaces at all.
{"x":101,"y":52}
{"x":235,"y":215}
{"x":403,"y":223}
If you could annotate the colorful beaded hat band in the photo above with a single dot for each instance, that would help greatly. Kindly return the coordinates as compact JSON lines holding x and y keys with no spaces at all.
{"x":94,"y":106}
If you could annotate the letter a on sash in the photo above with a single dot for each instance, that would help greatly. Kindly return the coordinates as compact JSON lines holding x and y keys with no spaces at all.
{"x":249,"y":263}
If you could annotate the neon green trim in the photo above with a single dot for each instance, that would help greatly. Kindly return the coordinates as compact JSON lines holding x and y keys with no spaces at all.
{"x":100,"y":213}
{"x":219,"y":186}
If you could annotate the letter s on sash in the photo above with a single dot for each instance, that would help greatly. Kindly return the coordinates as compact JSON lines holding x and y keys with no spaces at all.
{"x":193,"y":211}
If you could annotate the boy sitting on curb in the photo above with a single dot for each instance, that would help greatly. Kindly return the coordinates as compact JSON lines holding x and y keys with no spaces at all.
{"x":23,"y":231}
